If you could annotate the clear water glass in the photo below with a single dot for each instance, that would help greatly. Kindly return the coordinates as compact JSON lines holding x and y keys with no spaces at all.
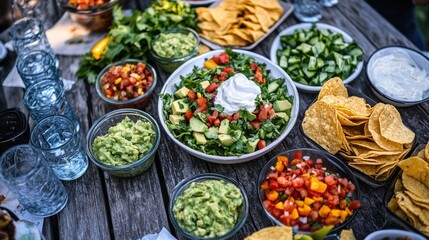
{"x":28,"y":34}
{"x":35,"y":66}
{"x":308,"y":10}
{"x":47,"y":98}
{"x":59,"y":142}
{"x":32,"y":181}
{"x":329,"y":3}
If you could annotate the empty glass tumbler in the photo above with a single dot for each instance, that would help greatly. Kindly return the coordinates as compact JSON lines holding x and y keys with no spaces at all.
{"x":35,"y":66}
{"x":28,"y":34}
{"x":32,"y":181}
{"x":308,"y":10}
{"x":59,"y":142}
{"x":47,"y":98}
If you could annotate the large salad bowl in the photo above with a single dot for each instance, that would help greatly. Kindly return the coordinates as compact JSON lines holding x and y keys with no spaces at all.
{"x":171,"y":87}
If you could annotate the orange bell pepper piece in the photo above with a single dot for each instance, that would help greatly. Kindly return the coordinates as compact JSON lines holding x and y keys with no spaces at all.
{"x":272,"y":195}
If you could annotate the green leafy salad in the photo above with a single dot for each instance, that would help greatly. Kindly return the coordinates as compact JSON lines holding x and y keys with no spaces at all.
{"x":130,"y":36}
{"x":229,"y":107}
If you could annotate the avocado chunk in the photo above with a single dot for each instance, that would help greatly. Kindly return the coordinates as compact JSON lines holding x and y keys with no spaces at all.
{"x":181,"y":93}
{"x":273,"y":86}
{"x":282,"y":115}
{"x":175,"y":119}
{"x":225,"y":139}
{"x":281,"y":105}
{"x":197,"y":125}
{"x":251,"y":145}
{"x":212,"y":133}
{"x":224,"y":126}
{"x":199,"y":137}
{"x":205,"y":84}
{"x":179,"y":107}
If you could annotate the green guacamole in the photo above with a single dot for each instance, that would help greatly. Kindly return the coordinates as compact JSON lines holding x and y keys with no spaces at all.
{"x":125,"y":143}
{"x":174,"y":45}
{"x":208,"y":209}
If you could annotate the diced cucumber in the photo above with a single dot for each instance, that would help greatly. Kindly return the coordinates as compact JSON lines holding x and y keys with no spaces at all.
{"x":293,"y":60}
{"x":304,"y":47}
{"x":312,"y":64}
{"x":283,"y":61}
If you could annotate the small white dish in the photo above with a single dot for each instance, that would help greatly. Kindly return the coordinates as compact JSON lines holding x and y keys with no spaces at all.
{"x":421,"y":62}
{"x":393,"y":234}
{"x":290,"y":30}
{"x":185,"y":69}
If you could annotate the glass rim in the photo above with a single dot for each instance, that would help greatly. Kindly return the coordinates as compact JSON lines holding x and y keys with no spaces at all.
{"x":50,"y":118}
{"x":13,"y":151}
{"x":30,"y":90}
{"x":21,"y":22}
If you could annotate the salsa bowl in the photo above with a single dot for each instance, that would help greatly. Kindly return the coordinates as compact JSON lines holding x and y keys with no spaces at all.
{"x":222,"y":191}
{"x":128,"y":83}
{"x":249,"y":148}
{"x":307,"y":189}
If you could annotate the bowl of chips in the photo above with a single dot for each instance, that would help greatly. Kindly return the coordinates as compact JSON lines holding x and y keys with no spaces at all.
{"x":199,"y":2}
{"x":240,"y":24}
{"x":399,"y":76}
{"x":406,"y":197}
{"x":371,"y":138}
{"x":313,"y":53}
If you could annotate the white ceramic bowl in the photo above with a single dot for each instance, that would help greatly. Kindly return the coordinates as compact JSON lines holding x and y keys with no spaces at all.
{"x":393,"y":234}
{"x":276,"y":72}
{"x":290,"y":30}
{"x":420,"y":60}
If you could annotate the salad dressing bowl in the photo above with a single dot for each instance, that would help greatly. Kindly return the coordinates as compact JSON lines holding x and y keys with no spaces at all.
{"x":275,"y":72}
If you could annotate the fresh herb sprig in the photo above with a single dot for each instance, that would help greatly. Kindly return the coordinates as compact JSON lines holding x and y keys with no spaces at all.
{"x":130,"y":36}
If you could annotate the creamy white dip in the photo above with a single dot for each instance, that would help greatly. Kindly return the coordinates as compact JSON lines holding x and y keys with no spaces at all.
{"x":398,"y":76}
{"x":237,"y":92}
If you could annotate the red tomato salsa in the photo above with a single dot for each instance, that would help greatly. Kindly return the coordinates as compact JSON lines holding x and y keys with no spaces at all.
{"x":126,"y":82}
{"x":303,"y":194}
{"x":85,"y":4}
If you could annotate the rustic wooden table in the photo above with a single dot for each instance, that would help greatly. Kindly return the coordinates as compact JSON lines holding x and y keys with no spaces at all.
{"x":105,"y":207}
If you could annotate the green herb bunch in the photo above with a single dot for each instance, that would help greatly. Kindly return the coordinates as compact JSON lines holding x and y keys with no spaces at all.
{"x":130,"y":36}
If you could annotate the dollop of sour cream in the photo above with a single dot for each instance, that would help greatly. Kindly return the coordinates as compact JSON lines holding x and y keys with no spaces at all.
{"x":398,"y":76}
{"x":237,"y":92}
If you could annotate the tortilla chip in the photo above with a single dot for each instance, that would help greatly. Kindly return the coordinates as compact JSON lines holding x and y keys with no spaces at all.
{"x":270,"y":233}
{"x":320,"y":124}
{"x":392,"y":128}
{"x":333,"y":86}
{"x":427,"y":152}
{"x":408,"y":206}
{"x":418,"y":169}
{"x":374,"y":129}
{"x":347,"y":235}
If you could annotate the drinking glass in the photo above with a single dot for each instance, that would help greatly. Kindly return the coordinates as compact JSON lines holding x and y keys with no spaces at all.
{"x":59,"y":142}
{"x":47,"y":98}
{"x":31,"y":180}
{"x":35,"y":66}
{"x":308,"y":10}
{"x":29,"y":34}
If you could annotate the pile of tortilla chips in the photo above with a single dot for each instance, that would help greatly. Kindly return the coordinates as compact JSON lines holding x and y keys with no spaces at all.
{"x":410,"y":200}
{"x":372,"y":139}
{"x":238,"y":22}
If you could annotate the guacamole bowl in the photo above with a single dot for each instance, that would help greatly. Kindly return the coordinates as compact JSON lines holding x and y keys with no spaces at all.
{"x":123,"y":142}
{"x":128,"y":83}
{"x":173,"y":47}
{"x":208,"y":206}
{"x":303,"y":188}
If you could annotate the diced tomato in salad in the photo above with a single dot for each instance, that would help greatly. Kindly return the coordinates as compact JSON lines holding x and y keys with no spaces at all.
{"x":301,"y":193}
{"x":126,"y":82}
